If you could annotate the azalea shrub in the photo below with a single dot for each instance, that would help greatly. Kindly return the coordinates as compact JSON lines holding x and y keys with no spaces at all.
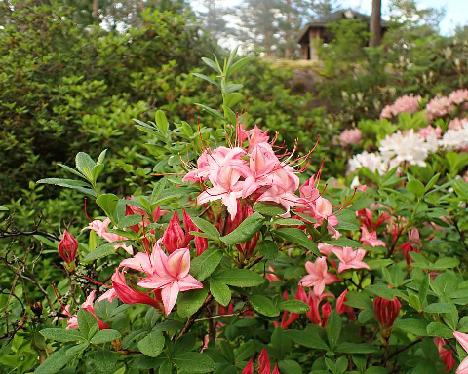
{"x":240,"y":256}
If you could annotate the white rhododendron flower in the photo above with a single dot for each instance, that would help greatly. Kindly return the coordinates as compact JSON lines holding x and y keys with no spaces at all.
{"x":456,"y":139}
{"x":405,"y":147}
{"x":372,"y":161}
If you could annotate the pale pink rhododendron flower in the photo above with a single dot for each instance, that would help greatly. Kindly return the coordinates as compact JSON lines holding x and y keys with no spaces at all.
{"x":404,"y":104}
{"x":350,"y":137}
{"x":171,"y":275}
{"x":318,"y":276}
{"x":102,"y":230}
{"x":458,"y":97}
{"x":430,"y":132}
{"x":462,"y":339}
{"x":370,"y":238}
{"x":350,"y":259}
{"x":437,"y":107}
{"x":457,"y":123}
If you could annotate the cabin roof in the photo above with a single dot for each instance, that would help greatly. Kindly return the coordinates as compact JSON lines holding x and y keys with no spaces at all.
{"x":334,"y":16}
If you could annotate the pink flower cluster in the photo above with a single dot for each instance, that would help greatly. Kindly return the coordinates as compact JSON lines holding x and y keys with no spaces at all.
{"x":254,"y":173}
{"x":88,"y":306}
{"x":440,"y":106}
{"x":350,"y":137}
{"x":404,"y":104}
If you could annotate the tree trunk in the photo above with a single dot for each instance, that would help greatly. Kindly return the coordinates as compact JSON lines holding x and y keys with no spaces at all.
{"x":375,"y":27}
{"x":95,"y":9}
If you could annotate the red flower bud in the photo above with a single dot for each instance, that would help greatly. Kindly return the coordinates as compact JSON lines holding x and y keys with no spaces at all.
{"x":249,"y":368}
{"x":386,"y":311}
{"x":67,"y":247}
{"x":174,"y":237}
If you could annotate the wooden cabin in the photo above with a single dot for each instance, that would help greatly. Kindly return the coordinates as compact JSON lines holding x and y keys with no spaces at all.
{"x":317,"y":32}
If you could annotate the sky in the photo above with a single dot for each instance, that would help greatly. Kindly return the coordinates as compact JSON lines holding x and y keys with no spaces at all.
{"x":456,"y":10}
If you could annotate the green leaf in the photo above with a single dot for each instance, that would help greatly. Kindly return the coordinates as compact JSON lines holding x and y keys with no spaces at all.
{"x":333,"y":329}
{"x":88,"y":325}
{"x":309,"y":338}
{"x":269,"y":209}
{"x":212,"y":64}
{"x":412,"y":325}
{"x":103,"y":250}
{"x":439,"y":308}
{"x":294,"y":306}
{"x":245,"y":231}
{"x":439,"y":329}
{"x":192,"y":362}
{"x":77,"y":349}
{"x":416,"y":187}
{"x":288,"y":222}
{"x":152,"y":344}
{"x":206,"y":227}
{"x":211,"y":111}
{"x":85,"y":164}
{"x":240,"y":278}
{"x":297,"y":236}
{"x":204,"y":265}
{"x":108,"y":202}
{"x":54,"y":363}
{"x":289,"y":367}
{"x":205,"y":77}
{"x":61,"y":335}
{"x":356,"y":348}
{"x":267,"y":249}
{"x":161,"y":122}
{"x":220,"y":291}
{"x":263,"y":305}
{"x":105,"y":336}
{"x":189,"y":302}
{"x":70,"y":183}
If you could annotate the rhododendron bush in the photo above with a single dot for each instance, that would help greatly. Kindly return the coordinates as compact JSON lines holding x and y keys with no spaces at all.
{"x":243,"y":257}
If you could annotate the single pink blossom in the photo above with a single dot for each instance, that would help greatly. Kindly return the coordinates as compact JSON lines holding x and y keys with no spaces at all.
{"x":326,"y":249}
{"x":350,"y":137}
{"x":128,"y":295}
{"x":430,"y":132}
{"x":462,"y":339}
{"x":342,"y":308}
{"x":458,"y":97}
{"x":102,"y":230}
{"x":172,"y":276}
{"x":370,"y":238}
{"x":318,"y":275}
{"x":350,"y":259}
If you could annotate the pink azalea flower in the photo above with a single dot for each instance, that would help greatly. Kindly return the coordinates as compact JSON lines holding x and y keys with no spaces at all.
{"x":102,"y":230}
{"x":341,"y":308}
{"x":370,"y":238}
{"x":444,"y":353}
{"x":172,"y":276}
{"x":350,"y":259}
{"x":314,"y":302}
{"x":318,"y":275}
{"x":128,"y":295}
{"x":350,"y":137}
{"x":88,"y":306}
{"x":326,"y":249}
{"x":462,"y":339}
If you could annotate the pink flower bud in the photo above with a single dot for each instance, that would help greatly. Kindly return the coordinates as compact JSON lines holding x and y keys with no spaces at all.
{"x":386,"y":311}
{"x":67,"y":247}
